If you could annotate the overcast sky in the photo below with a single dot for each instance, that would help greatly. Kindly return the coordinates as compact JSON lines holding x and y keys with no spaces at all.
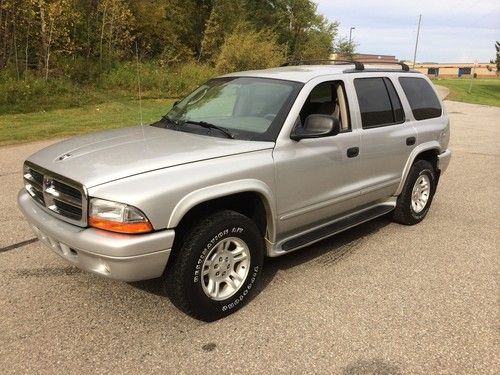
{"x":451,"y":31}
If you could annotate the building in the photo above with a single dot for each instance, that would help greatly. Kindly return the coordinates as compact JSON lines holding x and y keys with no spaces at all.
{"x":451,"y":70}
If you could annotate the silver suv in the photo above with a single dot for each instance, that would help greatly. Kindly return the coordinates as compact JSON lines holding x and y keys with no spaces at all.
{"x":250,"y":164}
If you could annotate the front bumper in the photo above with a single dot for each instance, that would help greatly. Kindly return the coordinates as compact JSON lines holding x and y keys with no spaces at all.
{"x":123,"y":257}
{"x":444,"y":160}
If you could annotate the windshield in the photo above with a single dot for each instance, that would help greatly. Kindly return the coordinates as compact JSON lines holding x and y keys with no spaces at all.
{"x":244,"y":107}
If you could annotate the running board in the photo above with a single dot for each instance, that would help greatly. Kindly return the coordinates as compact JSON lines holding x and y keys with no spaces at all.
{"x":335,"y":227}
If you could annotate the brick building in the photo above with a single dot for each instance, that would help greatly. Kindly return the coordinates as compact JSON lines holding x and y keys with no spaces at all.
{"x":452,"y":70}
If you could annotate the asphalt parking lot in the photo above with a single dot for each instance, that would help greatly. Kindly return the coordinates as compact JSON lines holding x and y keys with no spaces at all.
{"x":379,"y":299}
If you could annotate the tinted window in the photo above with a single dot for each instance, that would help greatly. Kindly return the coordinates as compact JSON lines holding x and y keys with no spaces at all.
{"x":397,"y":108}
{"x":423,"y":101}
{"x":374,"y":102}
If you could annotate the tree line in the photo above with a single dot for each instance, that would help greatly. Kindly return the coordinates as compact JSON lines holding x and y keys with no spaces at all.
{"x":48,"y":36}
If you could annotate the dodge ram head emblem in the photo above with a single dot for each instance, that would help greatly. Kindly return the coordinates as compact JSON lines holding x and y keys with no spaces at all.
{"x":63,"y":157}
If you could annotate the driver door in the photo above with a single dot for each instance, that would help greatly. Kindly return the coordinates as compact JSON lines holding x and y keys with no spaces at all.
{"x":316,"y":177}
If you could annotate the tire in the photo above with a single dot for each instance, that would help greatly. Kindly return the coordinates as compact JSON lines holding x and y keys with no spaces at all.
{"x":406,"y":212}
{"x":184,"y":279}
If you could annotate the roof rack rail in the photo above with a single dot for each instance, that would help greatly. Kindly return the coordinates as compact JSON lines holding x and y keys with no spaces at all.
{"x":403,"y":66}
{"x":357,"y":65}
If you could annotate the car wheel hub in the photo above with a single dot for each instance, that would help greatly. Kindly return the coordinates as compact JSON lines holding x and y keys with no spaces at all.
{"x":420,"y":193}
{"x":225,"y":268}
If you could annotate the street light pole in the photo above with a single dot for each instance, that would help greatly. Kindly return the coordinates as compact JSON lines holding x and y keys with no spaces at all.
{"x":350,"y":34}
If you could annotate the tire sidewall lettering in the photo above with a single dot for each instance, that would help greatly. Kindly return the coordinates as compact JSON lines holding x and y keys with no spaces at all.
{"x":245,"y":292}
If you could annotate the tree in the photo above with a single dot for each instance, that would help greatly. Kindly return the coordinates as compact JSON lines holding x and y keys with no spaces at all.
{"x":168,"y":29}
{"x":16,"y":18}
{"x":307,"y":34}
{"x":497,"y":59}
{"x":345,"y":50}
{"x":225,"y":15}
{"x":56,"y":20}
{"x":81,"y":38}
{"x":116,"y":29}
{"x":246,"y":49}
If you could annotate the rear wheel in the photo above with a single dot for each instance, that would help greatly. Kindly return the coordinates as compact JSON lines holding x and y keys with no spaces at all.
{"x":415,"y":200}
{"x":214,"y":271}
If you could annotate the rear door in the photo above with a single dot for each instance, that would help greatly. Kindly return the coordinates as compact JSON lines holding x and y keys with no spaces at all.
{"x":387,"y":138}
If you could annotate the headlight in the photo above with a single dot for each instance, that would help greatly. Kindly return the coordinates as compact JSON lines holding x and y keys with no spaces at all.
{"x":117,"y":217}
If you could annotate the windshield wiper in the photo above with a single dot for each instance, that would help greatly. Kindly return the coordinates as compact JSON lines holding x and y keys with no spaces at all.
{"x":208,"y":125}
{"x":173,"y":124}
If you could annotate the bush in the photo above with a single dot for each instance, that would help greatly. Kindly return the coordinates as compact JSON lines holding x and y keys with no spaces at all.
{"x":156,"y":80}
{"x":81,"y":70}
{"x":248,"y":49}
{"x":33,"y":94}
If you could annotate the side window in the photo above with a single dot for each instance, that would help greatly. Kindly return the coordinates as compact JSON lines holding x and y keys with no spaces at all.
{"x":378,"y":102}
{"x":422,"y":98}
{"x":328,"y":98}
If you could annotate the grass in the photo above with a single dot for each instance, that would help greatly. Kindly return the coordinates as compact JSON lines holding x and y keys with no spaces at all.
{"x":60,"y":123}
{"x":484,"y":91}
{"x":83,"y":99}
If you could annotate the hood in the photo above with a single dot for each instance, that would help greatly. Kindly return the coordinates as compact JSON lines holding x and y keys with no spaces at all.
{"x":102,"y":157}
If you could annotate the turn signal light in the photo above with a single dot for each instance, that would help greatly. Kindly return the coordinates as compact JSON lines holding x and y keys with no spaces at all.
{"x":113,"y":226}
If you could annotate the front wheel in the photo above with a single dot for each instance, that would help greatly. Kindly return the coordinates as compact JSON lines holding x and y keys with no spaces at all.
{"x":415,"y":200}
{"x":214,"y":271}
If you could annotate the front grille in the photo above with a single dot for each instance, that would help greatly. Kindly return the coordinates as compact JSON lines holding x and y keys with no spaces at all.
{"x":57,"y":194}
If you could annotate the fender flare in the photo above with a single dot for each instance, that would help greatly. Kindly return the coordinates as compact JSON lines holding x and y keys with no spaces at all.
{"x":228,"y":188}
{"x":432,"y":145}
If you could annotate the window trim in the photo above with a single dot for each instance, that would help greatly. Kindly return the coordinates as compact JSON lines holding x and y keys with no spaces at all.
{"x":383,"y":78}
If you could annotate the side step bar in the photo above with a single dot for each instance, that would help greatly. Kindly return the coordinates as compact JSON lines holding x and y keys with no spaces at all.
{"x":335,"y":227}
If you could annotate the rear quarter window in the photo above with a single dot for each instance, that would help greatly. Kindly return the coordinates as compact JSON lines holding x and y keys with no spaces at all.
{"x":422,"y":98}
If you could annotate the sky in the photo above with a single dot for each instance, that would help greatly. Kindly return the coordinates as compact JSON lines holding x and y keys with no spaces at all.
{"x":451,"y":31}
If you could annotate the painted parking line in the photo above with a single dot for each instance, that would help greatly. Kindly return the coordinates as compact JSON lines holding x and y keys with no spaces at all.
{"x":18,"y":245}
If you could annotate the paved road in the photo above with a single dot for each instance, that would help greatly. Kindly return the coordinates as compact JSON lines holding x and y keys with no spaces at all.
{"x":378,"y":299}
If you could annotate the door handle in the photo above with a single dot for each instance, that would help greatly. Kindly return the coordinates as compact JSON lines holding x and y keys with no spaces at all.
{"x":410,"y":141}
{"x":352,"y":152}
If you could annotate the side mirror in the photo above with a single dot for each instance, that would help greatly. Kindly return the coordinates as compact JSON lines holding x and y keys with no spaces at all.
{"x":175,"y":103}
{"x":317,"y":126}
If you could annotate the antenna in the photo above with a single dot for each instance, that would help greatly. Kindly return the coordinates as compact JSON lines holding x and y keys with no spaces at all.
{"x":139,"y":84}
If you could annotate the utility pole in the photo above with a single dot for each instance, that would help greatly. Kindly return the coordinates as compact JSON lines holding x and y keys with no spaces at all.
{"x":416,"y":42}
{"x":350,"y":34}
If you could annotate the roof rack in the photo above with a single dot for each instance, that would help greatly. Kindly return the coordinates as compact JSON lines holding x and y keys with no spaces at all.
{"x":358,"y":65}
{"x":403,"y":66}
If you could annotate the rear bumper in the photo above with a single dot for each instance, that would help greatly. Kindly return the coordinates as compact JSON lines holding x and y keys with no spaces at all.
{"x":116,"y":256}
{"x":444,"y":160}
